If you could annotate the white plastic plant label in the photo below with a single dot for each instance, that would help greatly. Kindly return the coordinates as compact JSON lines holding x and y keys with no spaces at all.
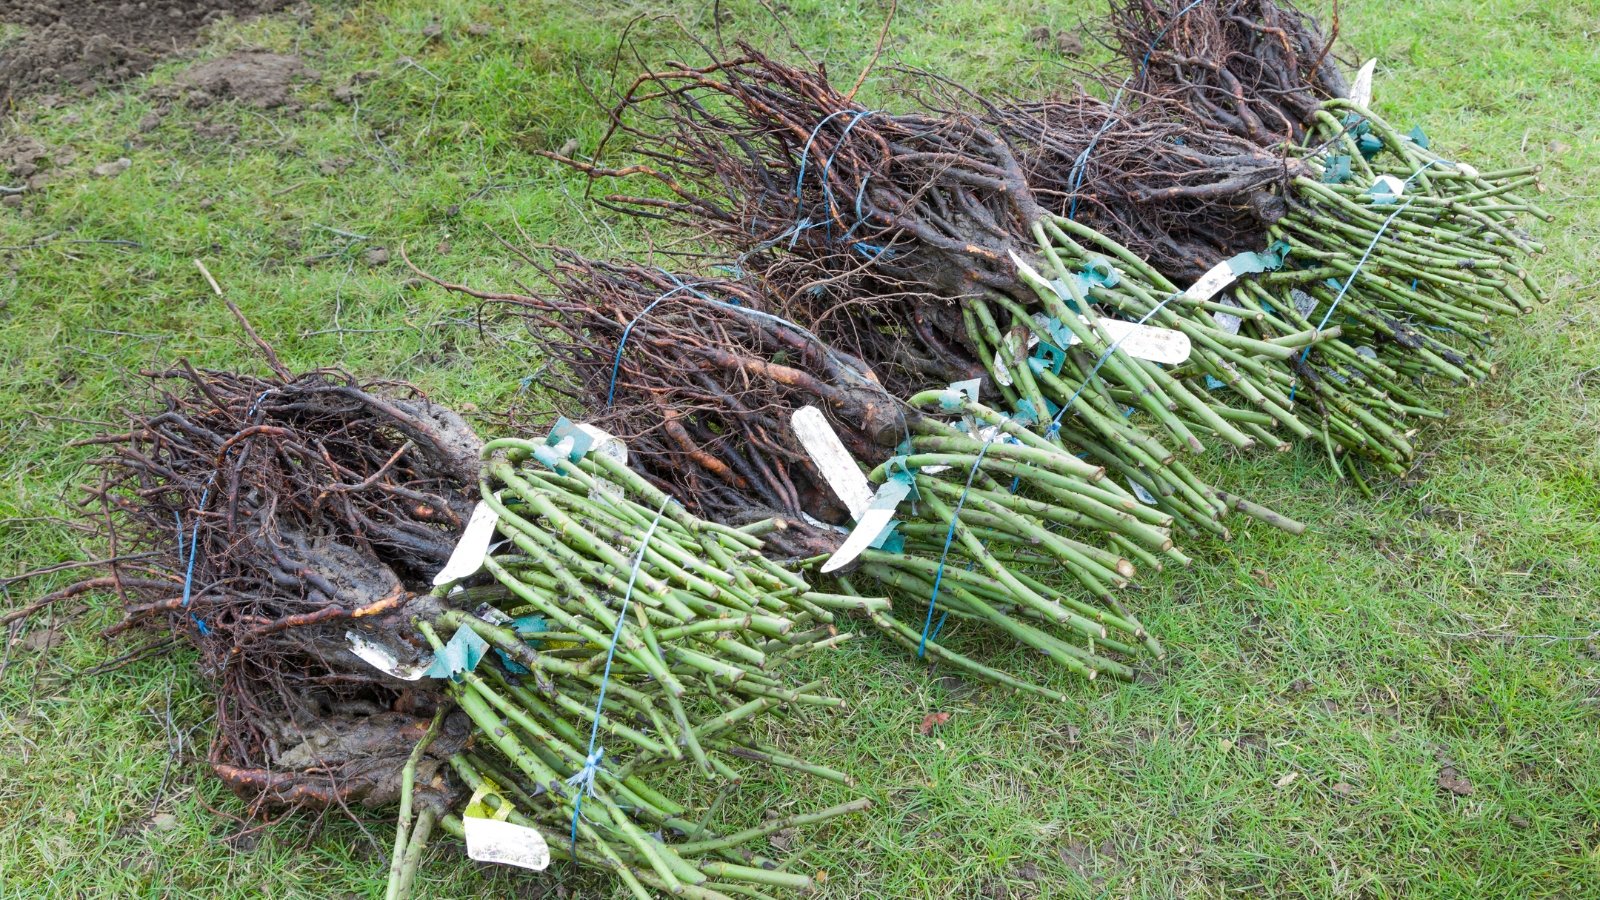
{"x":1002,"y":373}
{"x":491,"y":615}
{"x":1228,"y":321}
{"x":1004,"y":357}
{"x":605,"y":443}
{"x":1304,"y":303}
{"x":832,"y":459}
{"x":611,"y":447}
{"x":1214,"y":280}
{"x":384,"y":659}
{"x":468,"y":555}
{"x":1361,"y":88}
{"x":1158,"y":345}
{"x":817,"y":523}
{"x":506,"y":843}
{"x":1386,"y":189}
{"x":869,"y":524}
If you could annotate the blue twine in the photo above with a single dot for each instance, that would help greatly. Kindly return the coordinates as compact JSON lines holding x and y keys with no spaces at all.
{"x":804,"y":223}
{"x":1082,"y":162}
{"x":861,"y":194}
{"x":805,"y":152}
{"x":616,"y":363}
{"x":584,"y":778}
{"x":938,"y":575}
{"x":1351,"y":279}
{"x":1055,"y":423}
{"x":949,"y":537}
{"x":827,"y":190}
{"x":194,"y":535}
{"x":189,"y":577}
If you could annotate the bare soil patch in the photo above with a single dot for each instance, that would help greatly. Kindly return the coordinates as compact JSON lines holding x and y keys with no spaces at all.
{"x":78,"y":45}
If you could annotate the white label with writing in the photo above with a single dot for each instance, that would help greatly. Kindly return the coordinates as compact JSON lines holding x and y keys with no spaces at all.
{"x":1004,"y":357}
{"x":1228,"y":321}
{"x":1215,"y":279}
{"x":468,"y":555}
{"x":384,"y":659}
{"x":1304,"y":303}
{"x":506,"y":843}
{"x":832,"y":459}
{"x":1147,"y":342}
{"x":869,"y":524}
{"x":815,"y":522}
{"x":1361,"y":88}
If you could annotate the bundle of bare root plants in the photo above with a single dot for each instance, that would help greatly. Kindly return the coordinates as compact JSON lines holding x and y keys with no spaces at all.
{"x":699,"y":375}
{"x":305,"y":534}
{"x":273,"y":515}
{"x":713,"y":394}
{"x":1410,"y":255}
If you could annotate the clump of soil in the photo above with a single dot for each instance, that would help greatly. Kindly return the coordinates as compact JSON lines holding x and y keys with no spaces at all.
{"x":26,"y":161}
{"x":81,"y":44}
{"x":252,"y":77}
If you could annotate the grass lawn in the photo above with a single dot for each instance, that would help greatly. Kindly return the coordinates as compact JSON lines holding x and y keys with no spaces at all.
{"x":1405,"y":702}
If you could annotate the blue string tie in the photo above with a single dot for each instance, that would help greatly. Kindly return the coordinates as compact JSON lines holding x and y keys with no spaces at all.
{"x":1081,"y":163}
{"x":584,"y":778}
{"x":194,"y":535}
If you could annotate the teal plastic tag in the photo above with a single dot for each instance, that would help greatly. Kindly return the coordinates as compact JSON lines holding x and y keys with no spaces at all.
{"x":1098,"y":272}
{"x":968,"y":388}
{"x":563,"y":429}
{"x":1059,"y":333}
{"x":461,"y":654}
{"x":1419,"y":137}
{"x":890,"y":540}
{"x":1101,"y":272}
{"x":1061,"y":290}
{"x":899,"y":471}
{"x":1337,"y":170}
{"x":1270,"y":260}
{"x":1026,"y":414}
{"x":527,"y":627}
{"x":551,"y":452}
{"x":1047,"y":355}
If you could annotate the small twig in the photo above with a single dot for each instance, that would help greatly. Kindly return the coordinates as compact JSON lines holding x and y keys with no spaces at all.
{"x":408,"y":61}
{"x":266,"y":348}
{"x":173,"y":749}
{"x":78,"y":564}
{"x":883,"y":33}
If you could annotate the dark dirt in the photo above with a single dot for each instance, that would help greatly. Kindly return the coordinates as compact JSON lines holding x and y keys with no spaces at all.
{"x":77,"y":45}
{"x":252,"y":77}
